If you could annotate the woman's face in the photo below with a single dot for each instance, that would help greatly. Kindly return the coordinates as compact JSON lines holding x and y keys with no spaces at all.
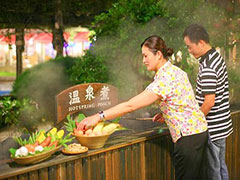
{"x":150,"y":60}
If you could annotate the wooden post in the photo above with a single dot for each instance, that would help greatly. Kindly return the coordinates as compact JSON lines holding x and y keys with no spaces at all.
{"x":58,"y":39}
{"x":19,"y":49}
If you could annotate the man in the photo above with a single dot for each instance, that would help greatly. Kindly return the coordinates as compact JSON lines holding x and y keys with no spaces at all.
{"x":212,"y":94}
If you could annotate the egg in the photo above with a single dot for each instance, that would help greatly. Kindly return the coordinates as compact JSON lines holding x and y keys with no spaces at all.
{"x":17,"y":153}
{"x":39,"y":148}
{"x":23,"y":151}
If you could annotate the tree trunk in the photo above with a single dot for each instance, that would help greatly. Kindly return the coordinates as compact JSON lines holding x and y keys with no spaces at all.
{"x":58,"y":39}
{"x":19,"y":49}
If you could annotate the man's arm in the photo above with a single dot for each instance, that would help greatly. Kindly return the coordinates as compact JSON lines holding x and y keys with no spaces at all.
{"x":209,"y":101}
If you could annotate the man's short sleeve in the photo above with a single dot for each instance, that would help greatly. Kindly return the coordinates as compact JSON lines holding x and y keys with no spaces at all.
{"x":208,"y":81}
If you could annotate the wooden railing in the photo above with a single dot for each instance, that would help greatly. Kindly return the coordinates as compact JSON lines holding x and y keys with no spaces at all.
{"x":134,"y":156}
{"x":233,"y":148}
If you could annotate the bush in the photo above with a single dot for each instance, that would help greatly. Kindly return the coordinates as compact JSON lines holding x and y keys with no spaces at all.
{"x":89,"y":68}
{"x":9,"y":111}
{"x":21,"y":113}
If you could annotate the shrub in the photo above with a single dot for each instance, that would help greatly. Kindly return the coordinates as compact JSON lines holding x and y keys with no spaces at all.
{"x":89,"y":68}
{"x":16,"y":112}
{"x":9,"y":111}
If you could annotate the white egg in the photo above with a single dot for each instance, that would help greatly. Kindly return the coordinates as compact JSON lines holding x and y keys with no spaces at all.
{"x":23,"y":151}
{"x":39,"y":148}
{"x":17,"y":153}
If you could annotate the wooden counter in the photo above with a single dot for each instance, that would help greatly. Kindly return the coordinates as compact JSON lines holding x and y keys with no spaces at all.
{"x":127,"y":155}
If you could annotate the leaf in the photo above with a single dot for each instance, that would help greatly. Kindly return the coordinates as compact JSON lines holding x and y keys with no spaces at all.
{"x":81,"y":117}
{"x":12,"y":151}
{"x":116,"y":120}
{"x":122,"y":128}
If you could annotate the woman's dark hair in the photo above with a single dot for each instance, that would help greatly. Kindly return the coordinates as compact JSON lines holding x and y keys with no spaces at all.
{"x":196,"y":33}
{"x":155,"y":43}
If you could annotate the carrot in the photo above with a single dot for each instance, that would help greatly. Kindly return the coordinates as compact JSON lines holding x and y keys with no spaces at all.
{"x":46,"y":142}
{"x":54,"y":143}
{"x":30,"y":147}
{"x":36,"y":144}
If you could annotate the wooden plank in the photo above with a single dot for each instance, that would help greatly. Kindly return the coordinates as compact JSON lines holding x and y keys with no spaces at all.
{"x":101,"y":165}
{"x":70,"y":170}
{"x":116,"y":164}
{"x":13,"y":178}
{"x":148,"y":160}
{"x":23,"y":177}
{"x":33,"y":175}
{"x":98,"y":166}
{"x":61,"y":172}
{"x":235,"y":138}
{"x":43,"y":174}
{"x":108,"y":166}
{"x":93,"y":168}
{"x":85,"y":168}
{"x":154,"y":152}
{"x":133,"y":161}
{"x":158,"y":160}
{"x":89,"y":167}
{"x":122,"y":164}
{"x":78,"y":169}
{"x":142,"y":161}
{"x":52,"y":172}
{"x":128,"y":163}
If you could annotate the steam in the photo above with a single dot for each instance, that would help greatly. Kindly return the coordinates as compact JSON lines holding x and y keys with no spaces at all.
{"x":48,"y":82}
{"x":122,"y":51}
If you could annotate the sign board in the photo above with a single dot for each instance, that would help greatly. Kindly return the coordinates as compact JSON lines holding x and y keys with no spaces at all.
{"x":85,"y":97}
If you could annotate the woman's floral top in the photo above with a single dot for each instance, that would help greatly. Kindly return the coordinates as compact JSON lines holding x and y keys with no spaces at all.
{"x":178,"y":104}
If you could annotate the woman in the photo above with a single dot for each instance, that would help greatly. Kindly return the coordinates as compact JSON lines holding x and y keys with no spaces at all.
{"x":179,"y":109}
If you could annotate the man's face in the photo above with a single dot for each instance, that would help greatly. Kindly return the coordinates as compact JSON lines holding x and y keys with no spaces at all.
{"x":193,"y":48}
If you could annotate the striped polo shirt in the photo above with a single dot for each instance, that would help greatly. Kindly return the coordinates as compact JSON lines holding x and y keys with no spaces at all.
{"x":213,"y":79}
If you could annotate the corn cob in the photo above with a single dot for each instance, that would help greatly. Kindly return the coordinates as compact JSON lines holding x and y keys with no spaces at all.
{"x":98,"y":127}
{"x":52,"y":132}
{"x":110,"y":128}
{"x":60,"y":133}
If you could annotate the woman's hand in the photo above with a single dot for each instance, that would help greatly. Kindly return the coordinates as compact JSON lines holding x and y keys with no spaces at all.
{"x":89,"y":122}
{"x":159,"y":118}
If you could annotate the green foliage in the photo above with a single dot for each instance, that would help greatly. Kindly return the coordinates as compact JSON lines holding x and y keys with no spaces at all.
{"x":89,"y":68}
{"x":71,"y":123}
{"x":139,"y":11}
{"x":9,"y":111}
{"x":18,"y":112}
{"x":31,"y":140}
